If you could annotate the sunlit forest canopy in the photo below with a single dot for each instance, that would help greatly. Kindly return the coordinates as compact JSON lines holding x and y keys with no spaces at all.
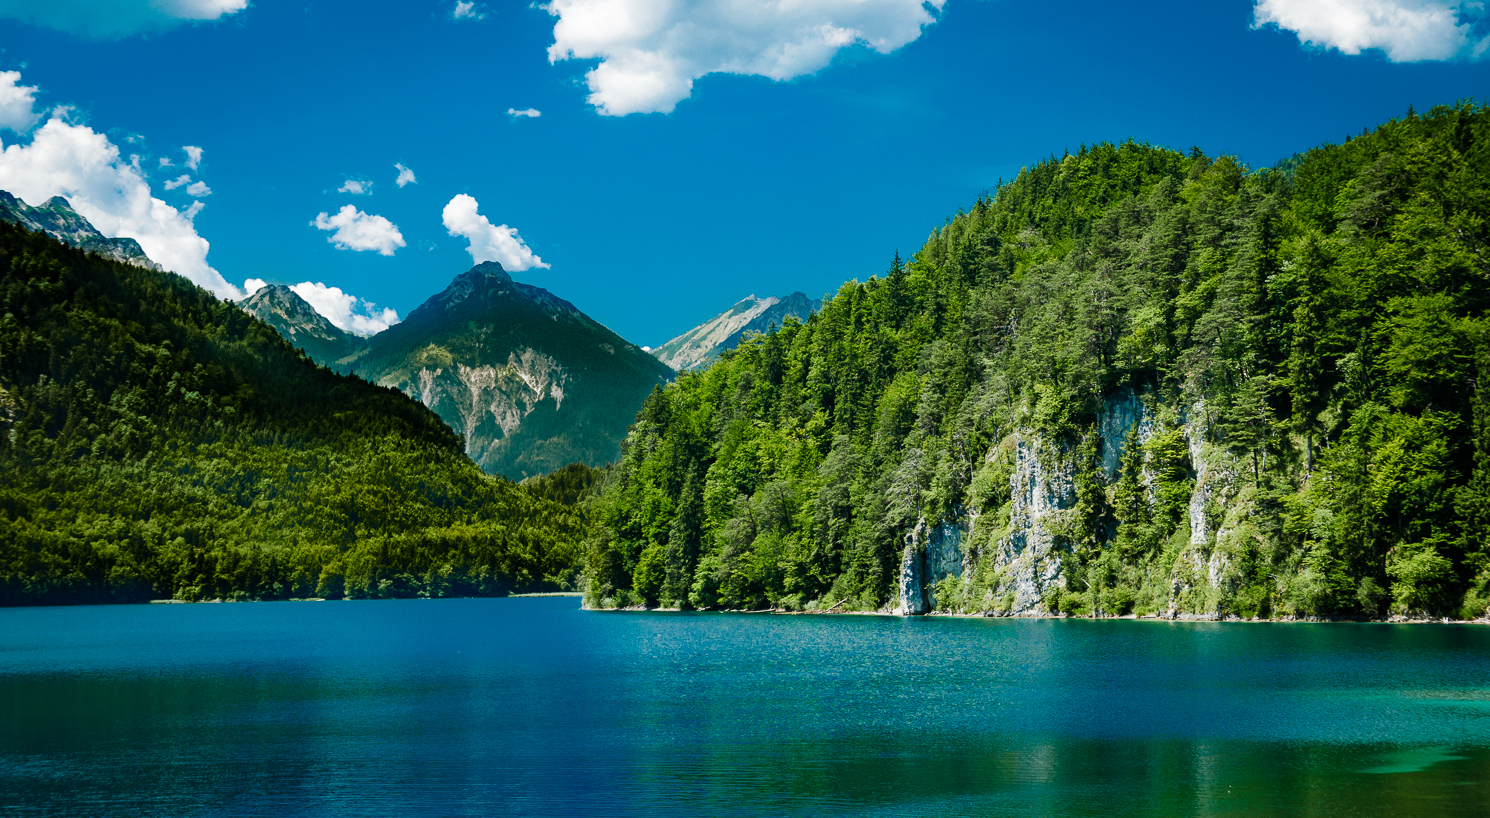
{"x":158,"y":442}
{"x":1312,"y":338}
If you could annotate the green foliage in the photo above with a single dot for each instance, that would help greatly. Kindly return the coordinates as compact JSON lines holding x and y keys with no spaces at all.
{"x":156,"y":442}
{"x":1318,"y":331}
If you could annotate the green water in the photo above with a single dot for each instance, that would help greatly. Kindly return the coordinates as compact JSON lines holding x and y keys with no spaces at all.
{"x":534,"y":707}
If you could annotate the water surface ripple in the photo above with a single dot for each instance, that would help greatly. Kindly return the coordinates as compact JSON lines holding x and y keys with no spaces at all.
{"x":534,"y":707}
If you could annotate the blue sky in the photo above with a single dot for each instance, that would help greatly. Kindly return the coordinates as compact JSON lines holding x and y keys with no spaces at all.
{"x":841,"y":137}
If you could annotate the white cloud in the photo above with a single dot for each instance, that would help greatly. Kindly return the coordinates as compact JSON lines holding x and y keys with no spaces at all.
{"x":356,"y":187}
{"x":17,"y":103}
{"x":356,"y":230}
{"x":345,"y":310}
{"x":1407,"y":30}
{"x":183,"y":179}
{"x":198,"y":189}
{"x":468,"y":11}
{"x":651,"y":52}
{"x":165,"y":163}
{"x":193,"y":156}
{"x":405,"y":176}
{"x":252,"y":285}
{"x":533,"y":113}
{"x":74,"y":161}
{"x":116,"y":18}
{"x":489,"y":242}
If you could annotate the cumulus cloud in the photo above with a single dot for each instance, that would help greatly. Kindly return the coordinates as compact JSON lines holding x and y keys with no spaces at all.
{"x":356,"y":187}
{"x":74,"y":161}
{"x":345,"y":310}
{"x":183,"y":179}
{"x":650,"y":52}
{"x":253,"y":285}
{"x":17,"y":103}
{"x":356,"y":230}
{"x":116,"y":18}
{"x":198,"y":189}
{"x":165,"y":163}
{"x":1406,"y":30}
{"x":405,"y":176}
{"x":468,"y":11}
{"x":489,"y":242}
{"x":193,"y":156}
{"x":533,"y":113}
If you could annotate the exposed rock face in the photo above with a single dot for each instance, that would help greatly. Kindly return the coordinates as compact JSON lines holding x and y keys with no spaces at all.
{"x":1022,"y":560}
{"x":57,"y":219}
{"x":698,"y":347}
{"x":932,"y":553}
{"x":528,"y":380}
{"x":300,"y":324}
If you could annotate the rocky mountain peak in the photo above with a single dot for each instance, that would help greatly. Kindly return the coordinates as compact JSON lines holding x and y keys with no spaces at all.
{"x":294,"y":318}
{"x":698,"y":347}
{"x":57,"y":219}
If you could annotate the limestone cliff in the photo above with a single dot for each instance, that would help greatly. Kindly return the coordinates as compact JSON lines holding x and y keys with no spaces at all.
{"x":1012,"y":561}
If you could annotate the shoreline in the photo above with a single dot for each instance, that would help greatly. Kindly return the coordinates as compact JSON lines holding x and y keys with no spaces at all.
{"x":317,"y":599}
{"x":1185,"y":617}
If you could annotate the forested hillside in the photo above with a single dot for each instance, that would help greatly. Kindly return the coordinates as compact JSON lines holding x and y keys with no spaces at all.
{"x":157,"y":442}
{"x":1131,"y":380}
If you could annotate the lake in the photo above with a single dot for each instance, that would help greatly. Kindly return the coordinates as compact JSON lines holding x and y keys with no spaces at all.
{"x":535,"y":707}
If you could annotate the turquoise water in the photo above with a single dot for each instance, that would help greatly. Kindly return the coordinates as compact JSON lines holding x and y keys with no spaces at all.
{"x":534,"y":707}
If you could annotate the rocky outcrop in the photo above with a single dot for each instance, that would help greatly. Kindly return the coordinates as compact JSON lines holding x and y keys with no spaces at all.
{"x":491,"y":401}
{"x":932,"y":553}
{"x":1017,"y":569}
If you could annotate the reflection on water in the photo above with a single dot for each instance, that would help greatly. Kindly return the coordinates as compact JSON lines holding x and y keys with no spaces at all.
{"x":530,"y":706}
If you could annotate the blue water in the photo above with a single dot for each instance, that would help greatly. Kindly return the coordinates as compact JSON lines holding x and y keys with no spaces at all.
{"x":534,"y":707}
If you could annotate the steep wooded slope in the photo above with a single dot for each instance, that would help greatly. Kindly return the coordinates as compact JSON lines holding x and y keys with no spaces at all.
{"x":1130,"y":380}
{"x":155,"y":441}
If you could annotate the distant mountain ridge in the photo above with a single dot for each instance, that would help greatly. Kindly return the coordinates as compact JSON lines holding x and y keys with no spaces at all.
{"x":700,"y":346}
{"x":57,"y":219}
{"x":530,"y":382}
{"x":282,"y":308}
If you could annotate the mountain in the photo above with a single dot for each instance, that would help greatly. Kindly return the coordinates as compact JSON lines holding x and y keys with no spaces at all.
{"x":158,"y":442}
{"x":699,"y":346}
{"x":530,"y":382}
{"x":295,"y":319}
{"x":1131,"y":381}
{"x":57,"y":219}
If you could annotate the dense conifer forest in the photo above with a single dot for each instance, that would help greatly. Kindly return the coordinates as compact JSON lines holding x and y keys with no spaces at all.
{"x":156,"y":442}
{"x":1315,"y":334}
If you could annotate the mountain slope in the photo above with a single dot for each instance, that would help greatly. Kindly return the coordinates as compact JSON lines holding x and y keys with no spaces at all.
{"x":57,"y":219}
{"x":155,"y":441}
{"x":295,"y":319}
{"x":528,"y":380}
{"x":1131,"y":381}
{"x":700,"y":346}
